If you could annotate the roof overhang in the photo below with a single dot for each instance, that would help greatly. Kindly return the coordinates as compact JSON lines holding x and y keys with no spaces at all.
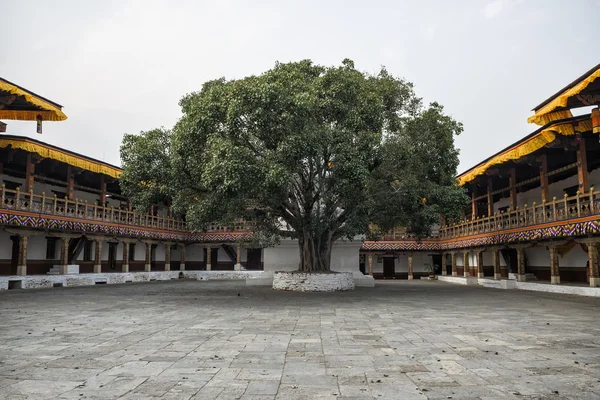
{"x":582,"y":92}
{"x":17,"y":103}
{"x":45,"y":150}
{"x":529,"y":144}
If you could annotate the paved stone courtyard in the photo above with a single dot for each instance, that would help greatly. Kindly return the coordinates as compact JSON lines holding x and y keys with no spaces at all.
{"x":223,"y":340}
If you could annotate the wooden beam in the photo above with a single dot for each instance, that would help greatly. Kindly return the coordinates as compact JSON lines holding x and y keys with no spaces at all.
{"x":582,"y":167}
{"x":70,"y":183}
{"x":512,"y":178}
{"x":490,"y":198}
{"x":543,"y":159}
{"x":102,"y":191}
{"x":29,"y":173}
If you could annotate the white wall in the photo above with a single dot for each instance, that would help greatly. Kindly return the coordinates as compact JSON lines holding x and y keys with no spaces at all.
{"x":555,"y":189}
{"x":540,"y":257}
{"x":5,"y":246}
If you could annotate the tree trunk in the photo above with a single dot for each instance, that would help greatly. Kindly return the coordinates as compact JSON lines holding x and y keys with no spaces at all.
{"x":315,"y":252}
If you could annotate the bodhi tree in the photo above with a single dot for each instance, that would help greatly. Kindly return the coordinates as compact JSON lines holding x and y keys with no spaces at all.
{"x":302,"y":151}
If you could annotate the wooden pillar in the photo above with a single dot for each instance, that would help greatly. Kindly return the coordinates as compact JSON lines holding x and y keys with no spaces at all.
{"x":148,"y":260}
{"x":521,"y":277}
{"x":554,"y":269}
{"x":480,"y":273}
{"x":182,"y":257}
{"x":593,"y":264}
{"x":466,"y":272}
{"x":238,"y":258}
{"x":496,"y":258}
{"x":410,"y":266}
{"x":98,"y":256}
{"x":512,"y":178}
{"x":22,"y":257}
{"x":490,"y":198}
{"x":370,"y":261}
{"x":29,"y":172}
{"x":582,"y":167}
{"x":167,"y":257}
{"x":64,"y":255}
{"x":444,"y":259}
{"x":102,"y":200}
{"x":454,"y":273}
{"x":208,"y":258}
{"x":544,"y":178}
{"x":70,"y":183}
{"x":473,"y":205}
{"x":125,"y":263}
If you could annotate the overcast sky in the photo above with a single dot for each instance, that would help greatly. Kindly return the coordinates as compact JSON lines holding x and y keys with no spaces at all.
{"x":121,"y":66}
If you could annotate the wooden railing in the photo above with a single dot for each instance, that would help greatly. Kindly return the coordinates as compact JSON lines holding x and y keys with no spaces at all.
{"x":42,"y":204}
{"x":580,"y":205}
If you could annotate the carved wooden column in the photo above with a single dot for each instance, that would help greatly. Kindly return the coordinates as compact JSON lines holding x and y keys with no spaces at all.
{"x":182,"y":257}
{"x":496,"y":258}
{"x":102,"y":200}
{"x":466,"y":272}
{"x":29,"y":172}
{"x":444,"y":259}
{"x":512,"y":177}
{"x":125,"y":263}
{"x":554,"y":269}
{"x":22,"y":257}
{"x":70,"y":183}
{"x":454,"y":273}
{"x":238,"y":258}
{"x":490,"y":198}
{"x":98,"y":256}
{"x":544,"y":178}
{"x":64,"y":255}
{"x":208,"y":258}
{"x":521,"y":277}
{"x":582,"y":167}
{"x":479,"y":254}
{"x":370,"y":261}
{"x":473,"y":205}
{"x":148,"y":260}
{"x":410,"y":266}
{"x":593,"y":264}
{"x":167,"y":256}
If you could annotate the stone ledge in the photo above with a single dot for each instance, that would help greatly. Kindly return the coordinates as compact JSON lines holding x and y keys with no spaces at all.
{"x":49,"y":281}
{"x":313,"y":282}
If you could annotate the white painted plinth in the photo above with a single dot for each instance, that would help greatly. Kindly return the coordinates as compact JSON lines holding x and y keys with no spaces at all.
{"x":313,"y":282}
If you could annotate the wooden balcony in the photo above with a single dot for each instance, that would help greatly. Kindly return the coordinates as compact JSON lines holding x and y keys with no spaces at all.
{"x":557,"y":210}
{"x":44,"y":205}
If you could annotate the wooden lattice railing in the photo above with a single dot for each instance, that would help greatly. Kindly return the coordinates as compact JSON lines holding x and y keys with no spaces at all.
{"x":580,"y":205}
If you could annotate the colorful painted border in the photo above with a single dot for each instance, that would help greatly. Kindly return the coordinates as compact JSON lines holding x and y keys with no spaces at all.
{"x":580,"y":227}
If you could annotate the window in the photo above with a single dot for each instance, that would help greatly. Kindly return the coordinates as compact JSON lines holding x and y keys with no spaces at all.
{"x":87,"y":250}
{"x":51,"y":248}
{"x":10,"y":185}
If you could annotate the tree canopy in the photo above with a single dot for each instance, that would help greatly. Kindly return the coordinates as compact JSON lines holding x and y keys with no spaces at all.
{"x":303,"y":151}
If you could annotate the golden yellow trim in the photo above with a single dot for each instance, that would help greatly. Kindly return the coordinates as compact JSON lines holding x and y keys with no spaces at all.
{"x":562,"y":99}
{"x":51,"y":113}
{"x":522,"y":149}
{"x":58,"y":155}
{"x":532,"y":144}
{"x":550,"y":117}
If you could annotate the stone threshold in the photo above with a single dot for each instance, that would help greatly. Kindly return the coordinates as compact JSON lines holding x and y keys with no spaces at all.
{"x":48,"y":281}
{"x":513,"y":284}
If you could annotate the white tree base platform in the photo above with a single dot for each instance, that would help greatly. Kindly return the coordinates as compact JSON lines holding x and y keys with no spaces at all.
{"x":313,"y":282}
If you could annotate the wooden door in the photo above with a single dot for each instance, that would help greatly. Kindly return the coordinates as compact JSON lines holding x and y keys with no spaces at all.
{"x":253,"y":259}
{"x":389,"y":268}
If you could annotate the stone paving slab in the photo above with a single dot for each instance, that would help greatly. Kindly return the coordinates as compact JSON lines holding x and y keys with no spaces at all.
{"x":223,"y":340}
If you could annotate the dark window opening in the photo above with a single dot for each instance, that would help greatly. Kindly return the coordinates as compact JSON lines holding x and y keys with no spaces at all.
{"x":51,"y":248}
{"x":10,"y":185}
{"x":87,"y":250}
{"x":131,"y":251}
